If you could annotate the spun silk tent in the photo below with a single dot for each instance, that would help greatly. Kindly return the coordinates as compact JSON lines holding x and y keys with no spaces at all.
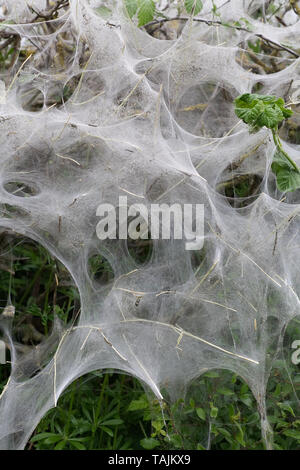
{"x":124,"y":113}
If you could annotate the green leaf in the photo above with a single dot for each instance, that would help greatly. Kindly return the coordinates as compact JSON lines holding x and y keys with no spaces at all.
{"x":292,"y":433}
{"x":200,"y":447}
{"x":61,"y":445}
{"x":261,"y":110}
{"x":270,"y":117}
{"x":244,"y":389}
{"x":149,"y":443}
{"x":240,"y":439}
{"x":157,"y":425}
{"x":146,"y":11}
{"x":247,"y":23}
{"x":193,"y":7}
{"x":225,"y":391}
{"x":287,"y":180}
{"x":277,"y":390}
{"x":224,"y":432}
{"x":211,"y":374}
{"x":255,"y":47}
{"x":214,"y":411}
{"x":52,"y":439}
{"x":77,"y":445}
{"x":107,"y":430}
{"x":176,"y":440}
{"x":112,"y":422}
{"x":287,"y":407}
{"x":201,"y":413}
{"x":44,"y":435}
{"x":280,"y":162}
{"x":131,"y":7}
{"x":192,"y":403}
{"x":246,"y":399}
{"x":140,"y":404}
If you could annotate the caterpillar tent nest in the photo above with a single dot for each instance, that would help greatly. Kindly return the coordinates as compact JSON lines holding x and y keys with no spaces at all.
{"x":98,"y":108}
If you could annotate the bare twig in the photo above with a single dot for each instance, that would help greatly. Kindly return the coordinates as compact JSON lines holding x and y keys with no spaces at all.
{"x":226,"y":25}
{"x":7,"y":42}
{"x":46,"y":15}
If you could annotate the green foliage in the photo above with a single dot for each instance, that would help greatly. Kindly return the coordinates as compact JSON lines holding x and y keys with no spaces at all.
{"x":100,"y":411}
{"x":112,"y":411}
{"x":193,"y":7}
{"x":92,"y":414}
{"x":149,"y":443}
{"x":145,"y":10}
{"x":242,"y":23}
{"x":33,"y":278}
{"x":256,"y":47}
{"x":288,"y":179}
{"x":260,"y":111}
{"x":131,"y":7}
{"x":223,"y":402}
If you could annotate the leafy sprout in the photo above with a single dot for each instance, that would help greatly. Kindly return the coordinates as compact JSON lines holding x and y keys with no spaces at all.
{"x":146,"y":9}
{"x":193,"y":7}
{"x":268,"y":111}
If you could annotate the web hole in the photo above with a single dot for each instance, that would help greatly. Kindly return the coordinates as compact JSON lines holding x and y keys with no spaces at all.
{"x":206,"y":110}
{"x":260,"y":58}
{"x":31,"y":98}
{"x":100,"y":270}
{"x":20,"y":189}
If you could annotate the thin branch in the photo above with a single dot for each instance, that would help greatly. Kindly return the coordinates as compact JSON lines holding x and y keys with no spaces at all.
{"x":226,"y":25}
{"x":46,"y":15}
{"x":7,"y":42}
